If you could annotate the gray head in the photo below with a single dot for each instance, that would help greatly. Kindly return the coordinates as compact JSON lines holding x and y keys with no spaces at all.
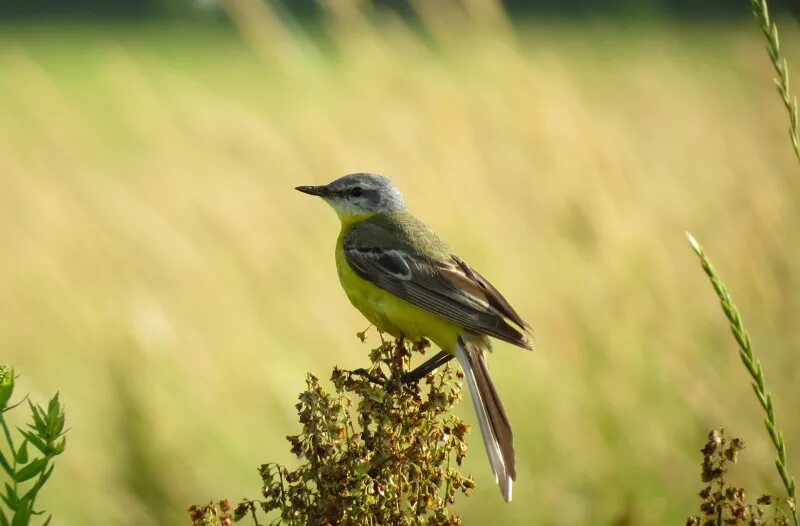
{"x":358,"y":194}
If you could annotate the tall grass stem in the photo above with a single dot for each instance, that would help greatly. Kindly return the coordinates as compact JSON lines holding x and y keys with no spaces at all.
{"x":770,"y":30}
{"x":753,"y":367}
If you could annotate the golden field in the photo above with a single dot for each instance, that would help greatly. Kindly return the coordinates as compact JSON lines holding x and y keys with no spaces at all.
{"x":160,"y":271}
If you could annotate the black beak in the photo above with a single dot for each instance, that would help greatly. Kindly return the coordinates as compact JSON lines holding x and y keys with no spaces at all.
{"x":321,"y":191}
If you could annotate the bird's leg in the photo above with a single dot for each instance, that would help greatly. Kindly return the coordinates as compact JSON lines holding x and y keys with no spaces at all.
{"x":428,"y":367}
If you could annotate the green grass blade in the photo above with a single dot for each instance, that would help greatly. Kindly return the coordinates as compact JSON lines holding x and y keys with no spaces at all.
{"x":781,"y":67}
{"x":754,"y":369}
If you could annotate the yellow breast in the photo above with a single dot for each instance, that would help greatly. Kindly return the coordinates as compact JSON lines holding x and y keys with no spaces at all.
{"x":389,"y":313}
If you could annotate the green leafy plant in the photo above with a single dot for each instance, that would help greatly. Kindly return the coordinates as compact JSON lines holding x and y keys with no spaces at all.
{"x":374,"y":451}
{"x":28,"y":461}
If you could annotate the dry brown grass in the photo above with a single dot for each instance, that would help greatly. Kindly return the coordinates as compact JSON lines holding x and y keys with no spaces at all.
{"x":161,"y":272}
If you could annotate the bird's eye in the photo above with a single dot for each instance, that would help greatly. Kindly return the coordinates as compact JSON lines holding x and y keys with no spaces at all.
{"x":356,"y":192}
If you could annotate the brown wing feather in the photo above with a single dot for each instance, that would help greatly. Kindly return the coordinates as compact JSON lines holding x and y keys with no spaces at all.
{"x":449,"y":289}
{"x":492,"y":295}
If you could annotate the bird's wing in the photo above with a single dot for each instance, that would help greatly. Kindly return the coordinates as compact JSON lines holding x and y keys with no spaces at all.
{"x":443,"y":285}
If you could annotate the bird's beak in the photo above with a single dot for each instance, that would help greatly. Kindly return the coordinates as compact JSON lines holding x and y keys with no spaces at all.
{"x":321,"y":191}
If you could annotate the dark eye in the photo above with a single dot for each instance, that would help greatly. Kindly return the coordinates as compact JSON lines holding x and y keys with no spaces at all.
{"x":356,"y":191}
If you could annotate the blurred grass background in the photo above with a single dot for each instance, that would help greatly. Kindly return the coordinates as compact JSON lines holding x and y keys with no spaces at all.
{"x":160,"y":271}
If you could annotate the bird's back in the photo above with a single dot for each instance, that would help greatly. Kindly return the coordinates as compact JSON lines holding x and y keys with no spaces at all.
{"x":402,"y":231}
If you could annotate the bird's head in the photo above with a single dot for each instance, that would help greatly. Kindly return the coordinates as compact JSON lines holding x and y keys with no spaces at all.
{"x":361,"y":194}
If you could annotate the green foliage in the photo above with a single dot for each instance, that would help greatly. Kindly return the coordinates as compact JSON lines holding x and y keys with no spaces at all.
{"x":375,"y":451}
{"x":723,"y":504}
{"x":27,"y":464}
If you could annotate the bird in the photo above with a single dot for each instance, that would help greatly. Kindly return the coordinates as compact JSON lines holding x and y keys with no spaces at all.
{"x":408,"y":283}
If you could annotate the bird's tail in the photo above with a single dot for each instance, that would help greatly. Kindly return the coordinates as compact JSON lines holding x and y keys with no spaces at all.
{"x":495,"y":427}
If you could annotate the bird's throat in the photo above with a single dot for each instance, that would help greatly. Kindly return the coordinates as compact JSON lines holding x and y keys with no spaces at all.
{"x":350,"y":220}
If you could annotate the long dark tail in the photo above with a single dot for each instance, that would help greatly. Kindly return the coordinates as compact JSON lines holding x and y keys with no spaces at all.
{"x":495,"y":427}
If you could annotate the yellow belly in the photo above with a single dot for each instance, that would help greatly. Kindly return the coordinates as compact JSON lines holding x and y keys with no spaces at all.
{"x":391,"y":314}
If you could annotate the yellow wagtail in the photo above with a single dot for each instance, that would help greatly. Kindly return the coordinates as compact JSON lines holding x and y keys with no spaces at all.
{"x":408,"y":283}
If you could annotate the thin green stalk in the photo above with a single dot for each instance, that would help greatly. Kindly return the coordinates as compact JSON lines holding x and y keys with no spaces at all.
{"x":753,"y":367}
{"x":7,"y":433}
{"x":10,"y":442}
{"x":770,"y":30}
